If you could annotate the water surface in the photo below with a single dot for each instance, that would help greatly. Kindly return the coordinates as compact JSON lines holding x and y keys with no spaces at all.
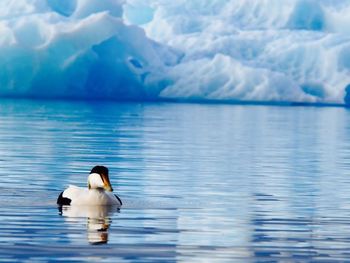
{"x":212,"y":183}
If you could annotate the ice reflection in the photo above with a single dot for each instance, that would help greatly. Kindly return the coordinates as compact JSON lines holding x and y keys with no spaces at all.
{"x":98,"y":220}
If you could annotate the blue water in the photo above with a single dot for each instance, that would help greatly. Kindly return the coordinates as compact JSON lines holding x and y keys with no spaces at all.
{"x":199,"y":182}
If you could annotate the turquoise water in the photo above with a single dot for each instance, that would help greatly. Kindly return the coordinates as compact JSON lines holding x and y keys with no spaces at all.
{"x":199,"y":182}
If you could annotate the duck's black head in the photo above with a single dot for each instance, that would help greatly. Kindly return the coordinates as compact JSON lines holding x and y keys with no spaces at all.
{"x":99,"y":169}
{"x":103,"y":178}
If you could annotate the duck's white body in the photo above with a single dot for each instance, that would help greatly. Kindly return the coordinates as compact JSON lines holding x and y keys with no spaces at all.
{"x":83,"y":196}
{"x":99,"y":191}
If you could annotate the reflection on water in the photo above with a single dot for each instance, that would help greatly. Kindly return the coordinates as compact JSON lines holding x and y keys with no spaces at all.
{"x":206,"y":183}
{"x":98,"y":220}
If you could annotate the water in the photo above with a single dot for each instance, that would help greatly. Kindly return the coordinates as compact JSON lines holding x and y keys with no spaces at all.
{"x":200,"y":183}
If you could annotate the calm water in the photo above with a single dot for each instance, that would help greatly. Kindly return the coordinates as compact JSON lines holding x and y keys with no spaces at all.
{"x":210,"y":183}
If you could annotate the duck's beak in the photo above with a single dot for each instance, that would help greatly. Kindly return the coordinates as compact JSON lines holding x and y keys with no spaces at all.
{"x":107,"y":184}
{"x":108,"y":188}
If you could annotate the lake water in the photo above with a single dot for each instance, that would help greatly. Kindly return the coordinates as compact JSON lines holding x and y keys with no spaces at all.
{"x":199,"y":182}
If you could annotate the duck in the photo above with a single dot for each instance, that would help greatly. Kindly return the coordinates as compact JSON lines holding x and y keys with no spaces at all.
{"x":99,"y":191}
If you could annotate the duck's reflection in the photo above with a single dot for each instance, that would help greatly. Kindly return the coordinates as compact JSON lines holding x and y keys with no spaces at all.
{"x":98,"y":220}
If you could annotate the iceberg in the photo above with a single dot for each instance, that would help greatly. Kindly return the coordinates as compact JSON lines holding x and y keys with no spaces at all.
{"x":77,"y":50}
{"x":218,"y":50}
{"x":255,"y":50}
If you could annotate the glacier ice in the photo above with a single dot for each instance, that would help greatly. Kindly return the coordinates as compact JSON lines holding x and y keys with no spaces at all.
{"x":77,"y":49}
{"x":260,"y":50}
{"x":226,"y":50}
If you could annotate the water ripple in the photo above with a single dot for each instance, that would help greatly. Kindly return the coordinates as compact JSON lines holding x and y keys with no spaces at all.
{"x":199,"y":183}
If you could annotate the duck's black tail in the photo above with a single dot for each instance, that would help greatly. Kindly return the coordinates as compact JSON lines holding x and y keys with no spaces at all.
{"x":63,"y":200}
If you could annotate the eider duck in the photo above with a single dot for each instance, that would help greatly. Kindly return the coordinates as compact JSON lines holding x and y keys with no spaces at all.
{"x":99,"y":191}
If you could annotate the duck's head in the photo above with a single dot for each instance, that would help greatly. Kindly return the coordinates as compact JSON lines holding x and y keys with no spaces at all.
{"x":99,"y":178}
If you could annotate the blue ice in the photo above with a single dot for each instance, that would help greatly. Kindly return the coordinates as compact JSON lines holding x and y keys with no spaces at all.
{"x":240,"y":50}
